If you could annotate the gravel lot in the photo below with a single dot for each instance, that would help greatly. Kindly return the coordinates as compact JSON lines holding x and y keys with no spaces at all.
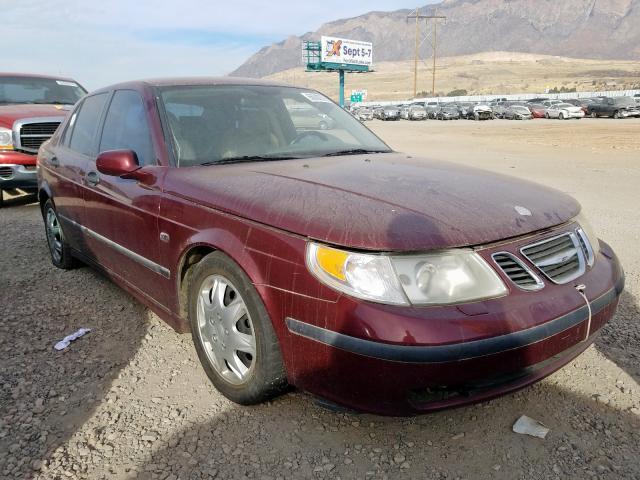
{"x":129,"y":400}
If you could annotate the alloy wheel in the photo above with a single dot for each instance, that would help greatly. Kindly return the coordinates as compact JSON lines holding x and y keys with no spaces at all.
{"x":54,"y":235}
{"x":225,"y":329}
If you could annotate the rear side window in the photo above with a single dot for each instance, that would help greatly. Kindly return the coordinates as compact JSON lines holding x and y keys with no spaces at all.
{"x":126,"y":127}
{"x":85,"y":129}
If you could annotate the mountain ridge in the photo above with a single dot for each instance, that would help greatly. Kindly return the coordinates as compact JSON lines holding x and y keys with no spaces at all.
{"x":592,"y":29}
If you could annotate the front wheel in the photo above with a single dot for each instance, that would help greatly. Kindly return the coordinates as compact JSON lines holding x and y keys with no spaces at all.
{"x":561,"y":116}
{"x":59,"y":250}
{"x":616,"y":115}
{"x":232,"y":332}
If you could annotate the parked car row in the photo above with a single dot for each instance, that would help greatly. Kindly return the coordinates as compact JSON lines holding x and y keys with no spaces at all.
{"x":616,"y":107}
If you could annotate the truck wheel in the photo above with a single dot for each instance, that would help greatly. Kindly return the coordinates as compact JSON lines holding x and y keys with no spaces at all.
{"x":58,"y":248}
{"x":232,"y":332}
{"x":616,"y":114}
{"x":594,"y":115}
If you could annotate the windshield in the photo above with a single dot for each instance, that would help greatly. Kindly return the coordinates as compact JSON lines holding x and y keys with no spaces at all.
{"x":521,"y":109}
{"x":20,"y":90}
{"x":625,"y":101}
{"x":226,"y":123}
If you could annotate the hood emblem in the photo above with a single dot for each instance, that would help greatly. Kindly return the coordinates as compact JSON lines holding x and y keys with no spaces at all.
{"x":525,"y":212}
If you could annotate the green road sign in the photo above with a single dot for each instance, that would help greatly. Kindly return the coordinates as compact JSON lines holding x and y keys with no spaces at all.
{"x":356,"y":98}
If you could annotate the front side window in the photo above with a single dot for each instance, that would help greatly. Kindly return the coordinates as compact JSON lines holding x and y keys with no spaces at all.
{"x":126,"y":127}
{"x":226,"y":123}
{"x":83,"y":134}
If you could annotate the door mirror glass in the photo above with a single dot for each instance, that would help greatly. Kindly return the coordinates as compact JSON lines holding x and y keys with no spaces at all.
{"x":117,"y":162}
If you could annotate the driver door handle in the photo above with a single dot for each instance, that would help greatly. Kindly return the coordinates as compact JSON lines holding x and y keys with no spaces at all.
{"x":92,"y":178}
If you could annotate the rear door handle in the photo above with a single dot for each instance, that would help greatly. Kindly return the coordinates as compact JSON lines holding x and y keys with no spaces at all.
{"x":92,"y":178}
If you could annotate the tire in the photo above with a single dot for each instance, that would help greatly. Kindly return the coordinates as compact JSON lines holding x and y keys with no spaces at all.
{"x":1,"y":198}
{"x":59,"y":249}
{"x":546,"y":115}
{"x":249,"y":376}
{"x":594,"y":115}
{"x":561,"y":116}
{"x":616,"y":115}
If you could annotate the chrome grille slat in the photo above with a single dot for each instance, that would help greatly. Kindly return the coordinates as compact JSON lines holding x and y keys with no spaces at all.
{"x":517,"y":272}
{"x":6,"y":172}
{"x":561,"y":259}
{"x":30,"y":133}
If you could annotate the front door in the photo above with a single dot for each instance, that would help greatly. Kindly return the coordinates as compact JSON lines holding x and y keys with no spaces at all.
{"x":122,"y":214}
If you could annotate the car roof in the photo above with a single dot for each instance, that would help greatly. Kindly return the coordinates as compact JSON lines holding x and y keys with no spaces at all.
{"x":194,"y":81}
{"x":36,"y":75}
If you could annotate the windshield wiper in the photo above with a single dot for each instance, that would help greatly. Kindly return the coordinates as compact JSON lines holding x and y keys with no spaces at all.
{"x":354,"y":151}
{"x":38,"y":102}
{"x":248,"y":158}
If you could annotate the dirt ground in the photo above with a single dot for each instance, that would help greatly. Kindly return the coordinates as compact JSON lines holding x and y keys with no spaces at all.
{"x":479,"y":74}
{"x":129,"y":400}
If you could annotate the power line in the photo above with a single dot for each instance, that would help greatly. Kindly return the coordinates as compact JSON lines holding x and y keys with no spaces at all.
{"x":435,"y":18}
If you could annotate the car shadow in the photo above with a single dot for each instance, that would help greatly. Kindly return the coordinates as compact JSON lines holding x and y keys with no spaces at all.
{"x":620,"y":338}
{"x":291,"y":438}
{"x":46,"y":395}
{"x":18,"y":200}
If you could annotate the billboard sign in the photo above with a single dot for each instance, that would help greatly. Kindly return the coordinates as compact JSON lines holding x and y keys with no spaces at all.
{"x":346,"y":52}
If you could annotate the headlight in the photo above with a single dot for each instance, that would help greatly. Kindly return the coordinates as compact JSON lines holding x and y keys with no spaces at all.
{"x":447,"y":277}
{"x":441,"y":278}
{"x":589,"y":232}
{"x":370,"y":277}
{"x":6,"y":139}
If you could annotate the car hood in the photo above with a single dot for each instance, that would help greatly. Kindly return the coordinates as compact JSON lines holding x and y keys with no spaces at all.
{"x":11,"y":113}
{"x":383,"y":202}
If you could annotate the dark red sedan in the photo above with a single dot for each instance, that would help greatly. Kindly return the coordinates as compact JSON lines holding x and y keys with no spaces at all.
{"x":321,"y":258}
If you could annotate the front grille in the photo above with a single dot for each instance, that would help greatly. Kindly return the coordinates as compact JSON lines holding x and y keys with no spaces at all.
{"x":517,"y":272}
{"x":560,"y":258}
{"x":32,"y":135}
{"x":6,"y":172}
{"x":586,"y":246}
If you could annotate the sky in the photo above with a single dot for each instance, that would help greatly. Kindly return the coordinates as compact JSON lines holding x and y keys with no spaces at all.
{"x":100,"y":42}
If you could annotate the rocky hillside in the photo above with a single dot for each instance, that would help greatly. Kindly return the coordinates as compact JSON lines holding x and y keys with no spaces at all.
{"x":600,"y":29}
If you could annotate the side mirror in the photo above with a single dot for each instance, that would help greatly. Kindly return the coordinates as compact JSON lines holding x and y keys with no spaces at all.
{"x":117,"y":163}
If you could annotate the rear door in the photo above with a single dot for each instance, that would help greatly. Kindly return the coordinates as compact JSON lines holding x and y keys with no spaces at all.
{"x":123,"y":213}
{"x":67,"y":167}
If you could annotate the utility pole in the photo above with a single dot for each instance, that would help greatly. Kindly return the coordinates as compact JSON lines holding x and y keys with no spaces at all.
{"x":418,"y":16}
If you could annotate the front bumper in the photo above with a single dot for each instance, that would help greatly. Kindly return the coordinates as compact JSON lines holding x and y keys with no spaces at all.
{"x":399,"y":361}
{"x":18,"y":176}
{"x":629,"y":113}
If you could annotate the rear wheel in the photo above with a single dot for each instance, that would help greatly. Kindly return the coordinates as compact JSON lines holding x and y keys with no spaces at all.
{"x":594,"y":115}
{"x":232,"y":332}
{"x":58,"y":248}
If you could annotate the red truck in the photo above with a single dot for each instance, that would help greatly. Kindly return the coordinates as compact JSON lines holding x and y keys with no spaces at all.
{"x":31,"y":108}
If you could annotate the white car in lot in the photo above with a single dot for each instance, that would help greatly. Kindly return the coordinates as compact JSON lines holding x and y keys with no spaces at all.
{"x":564,"y":111}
